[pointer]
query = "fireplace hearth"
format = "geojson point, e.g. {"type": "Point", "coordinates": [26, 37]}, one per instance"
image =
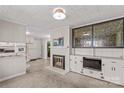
{"type": "Point", "coordinates": [59, 61]}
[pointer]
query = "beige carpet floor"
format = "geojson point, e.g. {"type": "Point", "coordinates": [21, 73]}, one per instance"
{"type": "Point", "coordinates": [40, 77]}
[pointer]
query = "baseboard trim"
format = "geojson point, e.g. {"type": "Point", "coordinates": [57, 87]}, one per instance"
{"type": "Point", "coordinates": [12, 76]}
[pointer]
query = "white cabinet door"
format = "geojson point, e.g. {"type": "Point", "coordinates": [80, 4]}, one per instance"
{"type": "Point", "coordinates": [72, 66]}
{"type": "Point", "coordinates": [76, 63]}
{"type": "Point", "coordinates": [119, 72]}
{"type": "Point", "coordinates": [72, 63]}
{"type": "Point", "coordinates": [117, 76]}
{"type": "Point", "coordinates": [107, 70]}
{"type": "Point", "coordinates": [79, 67]}
{"type": "Point", "coordinates": [10, 66]}
{"type": "Point", "coordinates": [122, 75]}
{"type": "Point", "coordinates": [115, 73]}
{"type": "Point", "coordinates": [112, 70]}
{"type": "Point", "coordinates": [79, 63]}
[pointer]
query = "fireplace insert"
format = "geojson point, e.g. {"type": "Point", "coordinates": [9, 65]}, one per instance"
{"type": "Point", "coordinates": [91, 63]}
{"type": "Point", "coordinates": [59, 61]}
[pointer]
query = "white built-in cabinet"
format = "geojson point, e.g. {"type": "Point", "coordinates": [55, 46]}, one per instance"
{"type": "Point", "coordinates": [112, 69]}
{"type": "Point", "coordinates": [12, 32]}
{"type": "Point", "coordinates": [76, 63]}
{"type": "Point", "coordinates": [122, 75]}
{"type": "Point", "coordinates": [11, 66]}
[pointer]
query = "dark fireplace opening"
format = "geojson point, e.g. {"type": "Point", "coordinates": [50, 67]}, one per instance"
{"type": "Point", "coordinates": [59, 61]}
{"type": "Point", "coordinates": [91, 63]}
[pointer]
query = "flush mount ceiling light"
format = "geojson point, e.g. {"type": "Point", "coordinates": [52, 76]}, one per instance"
{"type": "Point", "coordinates": [28, 33]}
{"type": "Point", "coordinates": [59, 14]}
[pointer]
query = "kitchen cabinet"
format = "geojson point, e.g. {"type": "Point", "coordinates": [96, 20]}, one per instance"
{"type": "Point", "coordinates": [76, 63]}
{"type": "Point", "coordinates": [11, 32]}
{"type": "Point", "coordinates": [12, 66]}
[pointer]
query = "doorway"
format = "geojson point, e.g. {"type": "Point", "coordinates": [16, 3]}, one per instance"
{"type": "Point", "coordinates": [48, 49]}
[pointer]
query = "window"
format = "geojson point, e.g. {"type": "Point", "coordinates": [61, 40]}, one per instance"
{"type": "Point", "coordinates": [82, 37]}
{"type": "Point", "coordinates": [108, 34]}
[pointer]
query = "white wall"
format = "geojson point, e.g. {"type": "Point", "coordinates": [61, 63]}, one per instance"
{"type": "Point", "coordinates": [61, 32]}
{"type": "Point", "coordinates": [44, 48]}
{"type": "Point", "coordinates": [109, 52]}
{"type": "Point", "coordinates": [61, 50]}
{"type": "Point", "coordinates": [84, 51]}
{"type": "Point", "coordinates": [34, 47]}
{"type": "Point", "coordinates": [99, 52]}
{"type": "Point", "coordinates": [11, 32]}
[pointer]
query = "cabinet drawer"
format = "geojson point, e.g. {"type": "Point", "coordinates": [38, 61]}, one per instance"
{"type": "Point", "coordinates": [117, 62]}
{"type": "Point", "coordinates": [93, 73]}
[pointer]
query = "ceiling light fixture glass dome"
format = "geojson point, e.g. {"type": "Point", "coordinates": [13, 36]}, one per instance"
{"type": "Point", "coordinates": [59, 14]}
{"type": "Point", "coordinates": [28, 33]}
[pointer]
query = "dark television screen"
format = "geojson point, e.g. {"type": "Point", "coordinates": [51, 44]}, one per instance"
{"type": "Point", "coordinates": [92, 63]}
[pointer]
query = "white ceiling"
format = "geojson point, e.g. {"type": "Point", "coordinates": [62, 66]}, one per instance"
{"type": "Point", "coordinates": [40, 21]}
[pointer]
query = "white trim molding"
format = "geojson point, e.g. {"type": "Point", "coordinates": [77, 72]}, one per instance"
{"type": "Point", "coordinates": [12, 76]}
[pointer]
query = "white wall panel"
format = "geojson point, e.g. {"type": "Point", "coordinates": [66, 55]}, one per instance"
{"type": "Point", "coordinates": [109, 52]}
{"type": "Point", "coordinates": [61, 32]}
{"type": "Point", "coordinates": [34, 48]}
{"type": "Point", "coordinates": [61, 50]}
{"type": "Point", "coordinates": [84, 51]}
{"type": "Point", "coordinates": [72, 51]}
